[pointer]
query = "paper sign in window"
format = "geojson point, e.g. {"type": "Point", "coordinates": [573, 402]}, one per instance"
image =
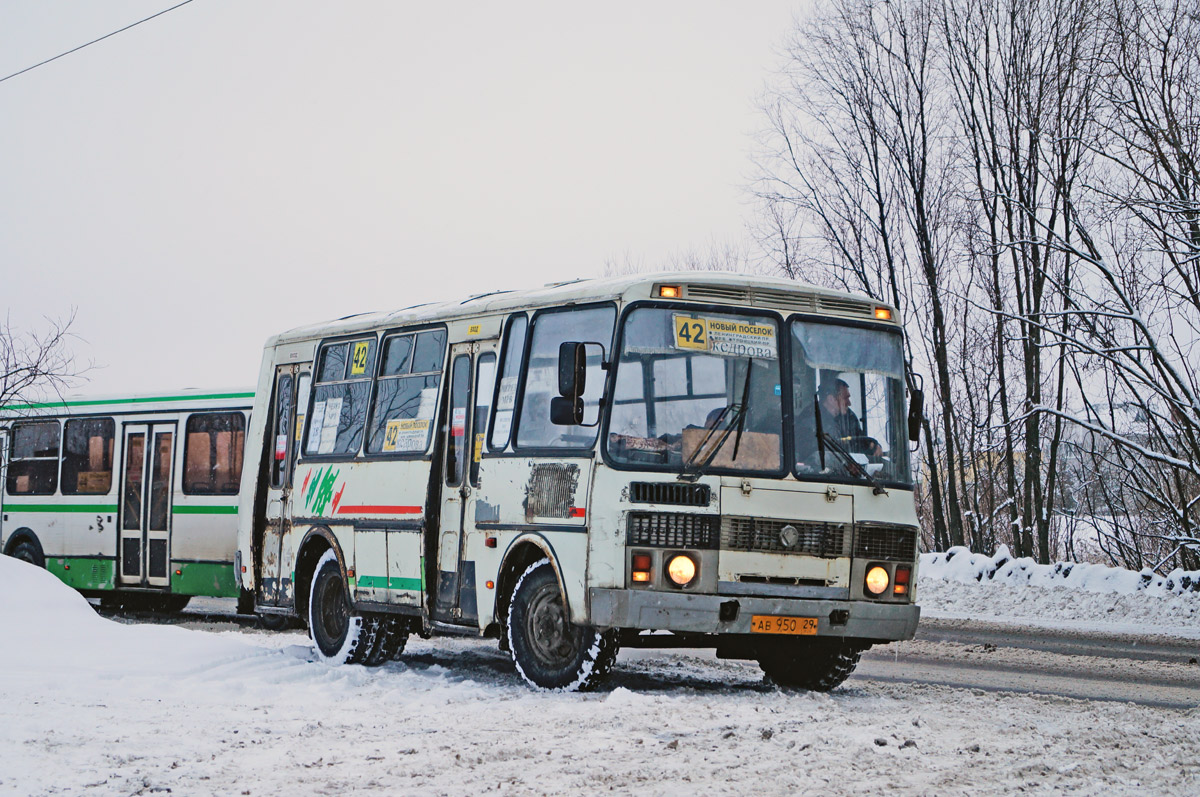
{"type": "Point", "coordinates": [405, 435]}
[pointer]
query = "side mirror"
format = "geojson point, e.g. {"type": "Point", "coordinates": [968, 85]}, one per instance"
{"type": "Point", "coordinates": [567, 409]}
{"type": "Point", "coordinates": [916, 404]}
{"type": "Point", "coordinates": [572, 369]}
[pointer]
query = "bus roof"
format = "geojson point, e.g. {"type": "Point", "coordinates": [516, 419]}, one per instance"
{"type": "Point", "coordinates": [712, 287]}
{"type": "Point", "coordinates": [185, 400]}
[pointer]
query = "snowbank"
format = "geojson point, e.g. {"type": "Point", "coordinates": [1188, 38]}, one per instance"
{"type": "Point", "coordinates": [960, 564]}
{"type": "Point", "coordinates": [47, 626]}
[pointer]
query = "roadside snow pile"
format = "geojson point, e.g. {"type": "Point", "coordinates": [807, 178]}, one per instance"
{"type": "Point", "coordinates": [960, 564]}
{"type": "Point", "coordinates": [965, 585]}
{"type": "Point", "coordinates": [47, 626]}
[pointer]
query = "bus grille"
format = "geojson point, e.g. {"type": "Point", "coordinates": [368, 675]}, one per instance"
{"type": "Point", "coordinates": [669, 493]}
{"type": "Point", "coordinates": [673, 530]}
{"type": "Point", "coordinates": [897, 543]}
{"type": "Point", "coordinates": [764, 535]}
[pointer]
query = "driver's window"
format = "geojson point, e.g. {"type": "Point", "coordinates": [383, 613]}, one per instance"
{"type": "Point", "coordinates": [549, 330]}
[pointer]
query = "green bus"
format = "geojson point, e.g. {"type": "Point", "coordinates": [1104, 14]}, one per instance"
{"type": "Point", "coordinates": [132, 499]}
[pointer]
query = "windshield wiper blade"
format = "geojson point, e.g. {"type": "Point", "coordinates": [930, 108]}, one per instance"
{"type": "Point", "coordinates": [741, 421]}
{"type": "Point", "coordinates": [705, 453]}
{"type": "Point", "coordinates": [852, 465]}
{"type": "Point", "coordinates": [736, 413]}
{"type": "Point", "coordinates": [820, 427]}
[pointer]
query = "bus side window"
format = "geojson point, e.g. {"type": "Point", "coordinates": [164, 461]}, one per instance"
{"type": "Point", "coordinates": [283, 431]}
{"type": "Point", "coordinates": [550, 328]}
{"type": "Point", "coordinates": [87, 463]}
{"type": "Point", "coordinates": [460, 383]}
{"type": "Point", "coordinates": [485, 382]}
{"type": "Point", "coordinates": [213, 459]}
{"type": "Point", "coordinates": [33, 459]}
{"type": "Point", "coordinates": [506, 394]}
{"type": "Point", "coordinates": [405, 405]}
{"type": "Point", "coordinates": [340, 397]}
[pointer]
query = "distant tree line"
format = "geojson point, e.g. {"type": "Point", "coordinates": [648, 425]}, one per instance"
{"type": "Point", "coordinates": [1022, 178]}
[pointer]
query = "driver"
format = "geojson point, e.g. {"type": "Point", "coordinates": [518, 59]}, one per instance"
{"type": "Point", "coordinates": [837, 420]}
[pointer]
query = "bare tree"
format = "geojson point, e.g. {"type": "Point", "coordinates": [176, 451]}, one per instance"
{"type": "Point", "coordinates": [36, 365]}
{"type": "Point", "coordinates": [855, 194]}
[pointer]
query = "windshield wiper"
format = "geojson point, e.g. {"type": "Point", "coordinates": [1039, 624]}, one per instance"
{"type": "Point", "coordinates": [852, 465]}
{"type": "Point", "coordinates": [705, 453]}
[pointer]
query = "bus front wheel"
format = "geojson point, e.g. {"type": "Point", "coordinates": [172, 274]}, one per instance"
{"type": "Point", "coordinates": [818, 665]}
{"type": "Point", "coordinates": [548, 650]}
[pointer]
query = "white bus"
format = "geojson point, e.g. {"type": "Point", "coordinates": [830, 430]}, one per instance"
{"type": "Point", "coordinates": [682, 460]}
{"type": "Point", "coordinates": [132, 499]}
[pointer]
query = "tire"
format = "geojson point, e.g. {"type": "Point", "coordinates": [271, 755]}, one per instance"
{"type": "Point", "coordinates": [170, 604]}
{"type": "Point", "coordinates": [29, 551]}
{"type": "Point", "coordinates": [336, 631]}
{"type": "Point", "coordinates": [390, 636]}
{"type": "Point", "coordinates": [272, 622]}
{"type": "Point", "coordinates": [817, 665]}
{"type": "Point", "coordinates": [548, 651]}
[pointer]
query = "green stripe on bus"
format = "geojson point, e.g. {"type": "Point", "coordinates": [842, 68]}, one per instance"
{"type": "Point", "coordinates": [379, 582]}
{"type": "Point", "coordinates": [137, 400]}
{"type": "Point", "coordinates": [204, 578]}
{"type": "Point", "coordinates": [88, 508]}
{"type": "Point", "coordinates": [204, 510]}
{"type": "Point", "coordinates": [82, 573]}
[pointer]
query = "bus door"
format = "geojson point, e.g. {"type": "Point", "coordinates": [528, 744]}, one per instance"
{"type": "Point", "coordinates": [472, 378]}
{"type": "Point", "coordinates": [287, 419]}
{"type": "Point", "coordinates": [145, 509]}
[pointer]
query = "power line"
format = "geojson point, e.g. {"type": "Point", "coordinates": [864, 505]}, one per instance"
{"type": "Point", "coordinates": [102, 38]}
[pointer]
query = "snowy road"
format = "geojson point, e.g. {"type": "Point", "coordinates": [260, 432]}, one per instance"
{"type": "Point", "coordinates": [1151, 670]}
{"type": "Point", "coordinates": [93, 707]}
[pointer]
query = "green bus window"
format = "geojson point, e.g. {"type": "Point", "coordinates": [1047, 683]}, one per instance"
{"type": "Point", "coordinates": [87, 462]}
{"type": "Point", "coordinates": [33, 461]}
{"type": "Point", "coordinates": [213, 455]}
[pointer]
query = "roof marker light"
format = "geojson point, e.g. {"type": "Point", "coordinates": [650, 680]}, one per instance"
{"type": "Point", "coordinates": [669, 291]}
{"type": "Point", "coordinates": [883, 313]}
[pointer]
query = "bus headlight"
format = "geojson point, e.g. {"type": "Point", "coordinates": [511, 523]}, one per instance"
{"type": "Point", "coordinates": [877, 580]}
{"type": "Point", "coordinates": [681, 569]}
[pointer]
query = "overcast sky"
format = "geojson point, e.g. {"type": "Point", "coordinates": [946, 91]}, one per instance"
{"type": "Point", "coordinates": [233, 169]}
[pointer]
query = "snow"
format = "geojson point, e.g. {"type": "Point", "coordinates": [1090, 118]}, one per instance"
{"type": "Point", "coordinates": [1082, 597]}
{"type": "Point", "coordinates": [92, 706]}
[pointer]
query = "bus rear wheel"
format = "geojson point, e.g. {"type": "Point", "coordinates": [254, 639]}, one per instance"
{"type": "Point", "coordinates": [548, 650]}
{"type": "Point", "coordinates": [818, 665]}
{"type": "Point", "coordinates": [336, 631]}
{"type": "Point", "coordinates": [29, 552]}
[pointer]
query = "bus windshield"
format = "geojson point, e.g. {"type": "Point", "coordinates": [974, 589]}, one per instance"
{"type": "Point", "coordinates": [848, 389]}
{"type": "Point", "coordinates": [697, 389]}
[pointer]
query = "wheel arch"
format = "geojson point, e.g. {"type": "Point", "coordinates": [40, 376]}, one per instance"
{"type": "Point", "coordinates": [316, 542]}
{"type": "Point", "coordinates": [521, 553]}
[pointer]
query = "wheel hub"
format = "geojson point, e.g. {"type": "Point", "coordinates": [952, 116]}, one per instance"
{"type": "Point", "coordinates": [551, 636]}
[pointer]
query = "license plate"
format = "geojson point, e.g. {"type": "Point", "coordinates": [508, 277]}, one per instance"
{"type": "Point", "coordinates": [772, 624]}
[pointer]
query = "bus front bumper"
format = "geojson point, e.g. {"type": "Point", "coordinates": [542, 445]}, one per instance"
{"type": "Point", "coordinates": [724, 614]}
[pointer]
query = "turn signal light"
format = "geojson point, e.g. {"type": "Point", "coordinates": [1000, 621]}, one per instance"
{"type": "Point", "coordinates": [903, 574]}
{"type": "Point", "coordinates": [641, 567]}
{"type": "Point", "coordinates": [669, 291]}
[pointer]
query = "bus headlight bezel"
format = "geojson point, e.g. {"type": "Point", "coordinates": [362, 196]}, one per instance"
{"type": "Point", "coordinates": [677, 567]}
{"type": "Point", "coordinates": [877, 580]}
